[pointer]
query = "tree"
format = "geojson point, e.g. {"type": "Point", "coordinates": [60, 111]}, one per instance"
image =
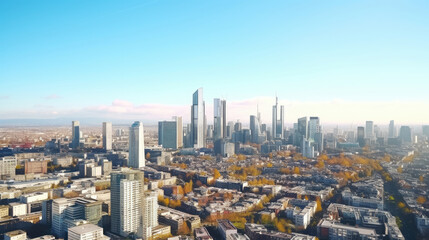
{"type": "Point", "coordinates": [188, 187]}
{"type": "Point", "coordinates": [296, 170]}
{"type": "Point", "coordinates": [319, 205]}
{"type": "Point", "coordinates": [399, 169]}
{"type": "Point", "coordinates": [216, 174]}
{"type": "Point", "coordinates": [421, 179]}
{"type": "Point", "coordinates": [421, 200]}
{"type": "Point", "coordinates": [147, 156]}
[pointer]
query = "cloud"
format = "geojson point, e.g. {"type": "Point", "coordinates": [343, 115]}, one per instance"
{"type": "Point", "coordinates": [335, 111]}
{"type": "Point", "coordinates": [52, 96]}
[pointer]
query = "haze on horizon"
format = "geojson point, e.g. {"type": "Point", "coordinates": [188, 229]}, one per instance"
{"type": "Point", "coordinates": [345, 62]}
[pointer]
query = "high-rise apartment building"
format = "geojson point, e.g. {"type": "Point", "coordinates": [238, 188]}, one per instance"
{"type": "Point", "coordinates": [150, 213]}
{"type": "Point", "coordinates": [126, 190]}
{"type": "Point", "coordinates": [219, 112]}
{"type": "Point", "coordinates": [75, 134]}
{"type": "Point", "coordinates": [198, 120]}
{"type": "Point", "coordinates": [136, 157]}
{"type": "Point", "coordinates": [107, 135]}
{"type": "Point", "coordinates": [425, 129]}
{"type": "Point", "coordinates": [179, 131]}
{"type": "Point", "coordinates": [278, 121]}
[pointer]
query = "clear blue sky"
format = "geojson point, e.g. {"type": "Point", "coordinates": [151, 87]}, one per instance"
{"type": "Point", "coordinates": [76, 54]}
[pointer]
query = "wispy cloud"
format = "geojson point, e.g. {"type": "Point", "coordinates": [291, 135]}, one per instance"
{"type": "Point", "coordinates": [335, 111]}
{"type": "Point", "coordinates": [52, 96]}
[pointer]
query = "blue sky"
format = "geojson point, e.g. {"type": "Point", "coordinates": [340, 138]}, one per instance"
{"type": "Point", "coordinates": [76, 58]}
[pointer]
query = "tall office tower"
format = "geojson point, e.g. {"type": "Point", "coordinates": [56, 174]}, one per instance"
{"type": "Point", "coordinates": [219, 112]}
{"type": "Point", "coordinates": [255, 130]}
{"type": "Point", "coordinates": [302, 130]}
{"type": "Point", "coordinates": [7, 167]}
{"type": "Point", "coordinates": [150, 213]}
{"type": "Point", "coordinates": [425, 129]}
{"type": "Point", "coordinates": [369, 130]}
{"type": "Point", "coordinates": [313, 127]}
{"type": "Point", "coordinates": [59, 207]}
{"type": "Point", "coordinates": [361, 136]}
{"type": "Point", "coordinates": [107, 135]}
{"type": "Point", "coordinates": [126, 189]}
{"type": "Point", "coordinates": [179, 131]}
{"type": "Point", "coordinates": [47, 212]}
{"type": "Point", "coordinates": [405, 134]}
{"type": "Point", "coordinates": [167, 134]}
{"type": "Point", "coordinates": [75, 134]}
{"type": "Point", "coordinates": [278, 123]}
{"type": "Point", "coordinates": [392, 129]}
{"type": "Point", "coordinates": [136, 146]}
{"type": "Point", "coordinates": [198, 122]}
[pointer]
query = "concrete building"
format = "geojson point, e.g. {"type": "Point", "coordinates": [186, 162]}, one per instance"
{"type": "Point", "coordinates": [136, 157]}
{"type": "Point", "coordinates": [405, 134]}
{"type": "Point", "coordinates": [198, 120]}
{"type": "Point", "coordinates": [327, 229]}
{"type": "Point", "coordinates": [126, 189]}
{"type": "Point", "coordinates": [18, 209]}
{"type": "Point", "coordinates": [16, 235]}
{"type": "Point", "coordinates": [226, 229]}
{"type": "Point", "coordinates": [361, 136]}
{"type": "Point", "coordinates": [392, 129]}
{"type": "Point", "coordinates": [369, 130]}
{"type": "Point", "coordinates": [7, 167]}
{"type": "Point", "coordinates": [150, 213]}
{"type": "Point", "coordinates": [86, 232]}
{"type": "Point", "coordinates": [107, 136]}
{"type": "Point", "coordinates": [37, 167]}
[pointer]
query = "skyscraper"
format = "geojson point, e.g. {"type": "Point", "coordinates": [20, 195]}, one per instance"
{"type": "Point", "coordinates": [392, 129]}
{"type": "Point", "coordinates": [369, 130]}
{"type": "Point", "coordinates": [278, 123]}
{"type": "Point", "coordinates": [361, 136]}
{"type": "Point", "coordinates": [219, 112]}
{"type": "Point", "coordinates": [302, 130]}
{"type": "Point", "coordinates": [255, 129]}
{"type": "Point", "coordinates": [59, 207]}
{"type": "Point", "coordinates": [107, 135]}
{"type": "Point", "coordinates": [313, 127]}
{"type": "Point", "coordinates": [170, 133]}
{"type": "Point", "coordinates": [198, 122]}
{"type": "Point", "coordinates": [405, 134]}
{"type": "Point", "coordinates": [136, 146]}
{"type": "Point", "coordinates": [126, 189]}
{"type": "Point", "coordinates": [75, 134]}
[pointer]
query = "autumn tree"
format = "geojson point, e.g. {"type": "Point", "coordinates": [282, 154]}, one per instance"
{"type": "Point", "coordinates": [147, 156]}
{"type": "Point", "coordinates": [421, 179]}
{"type": "Point", "coordinates": [296, 170]}
{"type": "Point", "coordinates": [216, 174]}
{"type": "Point", "coordinates": [188, 187]}
{"type": "Point", "coordinates": [319, 205]}
{"type": "Point", "coordinates": [421, 200]}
